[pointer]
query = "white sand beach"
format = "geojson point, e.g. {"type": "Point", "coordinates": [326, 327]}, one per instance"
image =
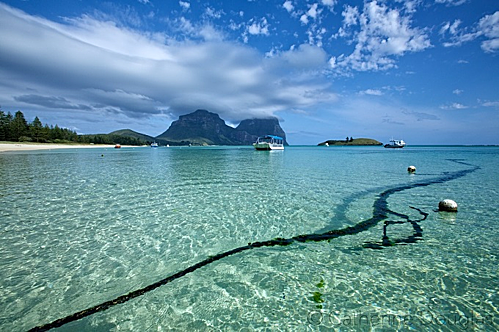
{"type": "Point", "coordinates": [6, 147]}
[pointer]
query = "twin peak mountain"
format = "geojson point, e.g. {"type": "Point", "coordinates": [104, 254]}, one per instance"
{"type": "Point", "coordinates": [205, 128]}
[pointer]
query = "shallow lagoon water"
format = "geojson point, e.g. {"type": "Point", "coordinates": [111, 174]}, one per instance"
{"type": "Point", "coordinates": [79, 227]}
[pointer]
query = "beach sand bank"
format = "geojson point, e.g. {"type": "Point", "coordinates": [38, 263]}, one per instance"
{"type": "Point", "coordinates": [6, 147]}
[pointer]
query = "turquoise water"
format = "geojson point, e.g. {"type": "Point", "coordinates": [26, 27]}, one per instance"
{"type": "Point", "coordinates": [80, 227]}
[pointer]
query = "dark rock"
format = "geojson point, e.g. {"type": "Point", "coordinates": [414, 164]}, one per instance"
{"type": "Point", "coordinates": [261, 127]}
{"type": "Point", "coordinates": [205, 128]}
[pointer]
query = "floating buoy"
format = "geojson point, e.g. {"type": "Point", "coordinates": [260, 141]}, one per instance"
{"type": "Point", "coordinates": [447, 205]}
{"type": "Point", "coordinates": [411, 169]}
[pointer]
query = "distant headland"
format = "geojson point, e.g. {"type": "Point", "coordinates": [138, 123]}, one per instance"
{"type": "Point", "coordinates": [351, 141]}
{"type": "Point", "coordinates": [200, 128]}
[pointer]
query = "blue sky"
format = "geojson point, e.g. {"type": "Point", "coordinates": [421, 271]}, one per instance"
{"type": "Point", "coordinates": [426, 71]}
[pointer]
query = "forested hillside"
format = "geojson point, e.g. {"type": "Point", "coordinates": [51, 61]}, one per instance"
{"type": "Point", "coordinates": [15, 128]}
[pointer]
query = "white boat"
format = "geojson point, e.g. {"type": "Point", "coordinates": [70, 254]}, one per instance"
{"type": "Point", "coordinates": [395, 144]}
{"type": "Point", "coordinates": [269, 142]}
{"type": "Point", "coordinates": [154, 145]}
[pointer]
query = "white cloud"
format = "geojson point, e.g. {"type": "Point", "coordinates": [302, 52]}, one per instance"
{"type": "Point", "coordinates": [491, 104]}
{"type": "Point", "coordinates": [451, 2]}
{"type": "Point", "coordinates": [332, 62]}
{"type": "Point", "coordinates": [184, 4]}
{"type": "Point", "coordinates": [288, 5]}
{"type": "Point", "coordinates": [411, 5]}
{"type": "Point", "coordinates": [328, 3]}
{"type": "Point", "coordinates": [487, 28]}
{"type": "Point", "coordinates": [212, 13]}
{"type": "Point", "coordinates": [384, 33]}
{"type": "Point", "coordinates": [95, 67]}
{"type": "Point", "coordinates": [451, 28]}
{"type": "Point", "coordinates": [185, 29]}
{"type": "Point", "coordinates": [454, 106]}
{"type": "Point", "coordinates": [210, 33]}
{"type": "Point", "coordinates": [313, 12]}
{"type": "Point", "coordinates": [316, 35]}
{"type": "Point", "coordinates": [458, 35]}
{"type": "Point", "coordinates": [305, 56]}
{"type": "Point", "coordinates": [260, 27]}
{"type": "Point", "coordinates": [457, 92]}
{"type": "Point", "coordinates": [350, 16]}
{"type": "Point", "coordinates": [372, 92]}
{"type": "Point", "coordinates": [304, 19]}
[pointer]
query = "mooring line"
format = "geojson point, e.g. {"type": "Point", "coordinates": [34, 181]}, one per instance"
{"type": "Point", "coordinates": [380, 212]}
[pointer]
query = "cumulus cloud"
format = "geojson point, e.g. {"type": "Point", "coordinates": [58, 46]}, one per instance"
{"type": "Point", "coordinates": [328, 3]}
{"type": "Point", "coordinates": [489, 27]}
{"type": "Point", "coordinates": [213, 13]}
{"type": "Point", "coordinates": [88, 65]}
{"type": "Point", "coordinates": [313, 12]}
{"type": "Point", "coordinates": [258, 27]}
{"type": "Point", "coordinates": [379, 33]}
{"type": "Point", "coordinates": [350, 15]}
{"type": "Point", "coordinates": [184, 4]}
{"type": "Point", "coordinates": [288, 5]}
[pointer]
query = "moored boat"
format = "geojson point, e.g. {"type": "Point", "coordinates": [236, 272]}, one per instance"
{"type": "Point", "coordinates": [395, 144]}
{"type": "Point", "coordinates": [269, 142]}
{"type": "Point", "coordinates": [154, 145]}
{"type": "Point", "coordinates": [117, 146]}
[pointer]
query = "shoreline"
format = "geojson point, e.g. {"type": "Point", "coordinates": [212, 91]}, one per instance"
{"type": "Point", "coordinates": [17, 147]}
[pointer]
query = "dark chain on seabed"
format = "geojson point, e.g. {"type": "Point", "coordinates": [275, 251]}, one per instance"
{"type": "Point", "coordinates": [380, 213]}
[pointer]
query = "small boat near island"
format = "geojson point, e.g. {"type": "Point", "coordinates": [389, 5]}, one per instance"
{"type": "Point", "coordinates": [154, 145]}
{"type": "Point", "coordinates": [269, 142]}
{"type": "Point", "coordinates": [395, 144]}
{"type": "Point", "coordinates": [117, 146]}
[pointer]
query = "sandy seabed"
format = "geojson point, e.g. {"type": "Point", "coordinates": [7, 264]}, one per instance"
{"type": "Point", "coordinates": [5, 147]}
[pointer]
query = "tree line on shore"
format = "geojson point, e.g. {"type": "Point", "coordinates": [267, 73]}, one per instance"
{"type": "Point", "coordinates": [15, 128]}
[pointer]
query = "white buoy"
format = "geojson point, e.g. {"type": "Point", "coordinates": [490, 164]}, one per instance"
{"type": "Point", "coordinates": [411, 169]}
{"type": "Point", "coordinates": [447, 205]}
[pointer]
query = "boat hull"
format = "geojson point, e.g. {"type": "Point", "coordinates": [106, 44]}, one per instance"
{"type": "Point", "coordinates": [267, 146]}
{"type": "Point", "coordinates": [395, 144]}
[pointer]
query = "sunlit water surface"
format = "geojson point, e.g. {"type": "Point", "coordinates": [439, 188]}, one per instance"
{"type": "Point", "coordinates": [79, 227]}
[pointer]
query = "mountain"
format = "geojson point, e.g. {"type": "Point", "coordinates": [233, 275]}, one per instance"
{"type": "Point", "coordinates": [124, 137]}
{"type": "Point", "coordinates": [206, 128]}
{"type": "Point", "coordinates": [200, 128]}
{"type": "Point", "coordinates": [133, 134]}
{"type": "Point", "coordinates": [262, 127]}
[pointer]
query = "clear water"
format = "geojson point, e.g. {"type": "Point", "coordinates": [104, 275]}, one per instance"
{"type": "Point", "coordinates": [81, 227]}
